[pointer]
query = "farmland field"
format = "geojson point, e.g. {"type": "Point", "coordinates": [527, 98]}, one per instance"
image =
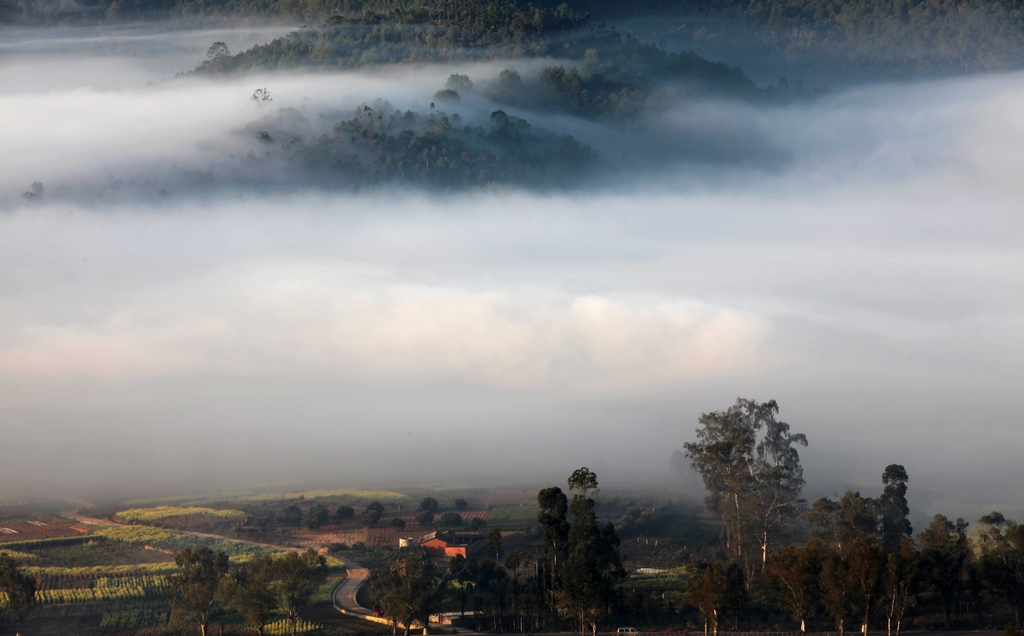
{"type": "Point", "coordinates": [159, 513]}
{"type": "Point", "coordinates": [17, 529]}
{"type": "Point", "coordinates": [94, 552]}
{"type": "Point", "coordinates": [513, 517]}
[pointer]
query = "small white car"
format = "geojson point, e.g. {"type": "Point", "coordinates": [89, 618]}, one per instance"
{"type": "Point", "coordinates": [626, 630]}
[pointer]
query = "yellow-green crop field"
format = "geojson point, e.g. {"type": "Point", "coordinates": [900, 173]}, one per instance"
{"type": "Point", "coordinates": [282, 627]}
{"type": "Point", "coordinates": [104, 570]}
{"type": "Point", "coordinates": [143, 536]}
{"type": "Point", "coordinates": [109, 589]}
{"type": "Point", "coordinates": [383, 495]}
{"type": "Point", "coordinates": [19, 556]}
{"type": "Point", "coordinates": [154, 515]}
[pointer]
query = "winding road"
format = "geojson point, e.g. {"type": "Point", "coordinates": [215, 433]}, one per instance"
{"type": "Point", "coordinates": [345, 594]}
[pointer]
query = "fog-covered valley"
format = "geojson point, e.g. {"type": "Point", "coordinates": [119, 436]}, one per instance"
{"type": "Point", "coordinates": [186, 303]}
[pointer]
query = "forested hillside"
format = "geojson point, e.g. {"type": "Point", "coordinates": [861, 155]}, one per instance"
{"type": "Point", "coordinates": [887, 36]}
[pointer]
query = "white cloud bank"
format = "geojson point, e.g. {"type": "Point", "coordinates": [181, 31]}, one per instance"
{"type": "Point", "coordinates": [295, 318]}
{"type": "Point", "coordinates": [873, 283]}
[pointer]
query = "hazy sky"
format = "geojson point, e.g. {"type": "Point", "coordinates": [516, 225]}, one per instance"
{"type": "Point", "coordinates": [871, 281]}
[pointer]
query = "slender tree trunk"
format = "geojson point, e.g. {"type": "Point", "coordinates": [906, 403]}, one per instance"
{"type": "Point", "coordinates": [803, 625]}
{"type": "Point", "coordinates": [764, 551]}
{"type": "Point", "coordinates": [715, 626]}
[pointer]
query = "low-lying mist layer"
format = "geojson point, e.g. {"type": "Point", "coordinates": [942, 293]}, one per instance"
{"type": "Point", "coordinates": [183, 304]}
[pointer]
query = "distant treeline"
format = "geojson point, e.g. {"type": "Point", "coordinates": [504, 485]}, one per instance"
{"type": "Point", "coordinates": [891, 36]}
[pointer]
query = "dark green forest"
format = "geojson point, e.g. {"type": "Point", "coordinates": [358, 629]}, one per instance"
{"type": "Point", "coordinates": [890, 37]}
{"type": "Point", "coordinates": [379, 144]}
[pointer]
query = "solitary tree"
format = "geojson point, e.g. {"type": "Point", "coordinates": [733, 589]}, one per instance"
{"type": "Point", "coordinates": [370, 517]}
{"type": "Point", "coordinates": [753, 483]}
{"type": "Point", "coordinates": [901, 579]}
{"type": "Point", "coordinates": [705, 590]}
{"type": "Point", "coordinates": [798, 571]}
{"type": "Point", "coordinates": [450, 519]}
{"type": "Point", "coordinates": [494, 542]}
{"type": "Point", "coordinates": [197, 585]}
{"type": "Point", "coordinates": [554, 506]}
{"type": "Point", "coordinates": [217, 50]}
{"type": "Point", "coordinates": [291, 516]}
{"type": "Point", "coordinates": [893, 508]}
{"type": "Point", "coordinates": [838, 588]}
{"type": "Point", "coordinates": [592, 563]}
{"type": "Point", "coordinates": [261, 97]}
{"type": "Point", "coordinates": [316, 516]}
{"type": "Point", "coordinates": [944, 553]}
{"type": "Point", "coordinates": [1002, 560]}
{"type": "Point", "coordinates": [20, 590]}
{"type": "Point", "coordinates": [429, 503]}
{"type": "Point", "coordinates": [867, 563]}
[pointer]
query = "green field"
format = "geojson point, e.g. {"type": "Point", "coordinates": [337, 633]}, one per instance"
{"type": "Point", "coordinates": [159, 513]}
{"type": "Point", "coordinates": [513, 517]}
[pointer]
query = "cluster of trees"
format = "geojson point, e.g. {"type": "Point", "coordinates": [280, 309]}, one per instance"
{"type": "Point", "coordinates": [911, 37]}
{"type": "Point", "coordinates": [853, 559]}
{"type": "Point", "coordinates": [441, 32]}
{"type": "Point", "coordinates": [612, 74]}
{"type": "Point", "coordinates": [750, 464]}
{"type": "Point", "coordinates": [372, 515]}
{"type": "Point", "coordinates": [381, 145]}
{"type": "Point", "coordinates": [209, 590]}
{"type": "Point", "coordinates": [571, 580]}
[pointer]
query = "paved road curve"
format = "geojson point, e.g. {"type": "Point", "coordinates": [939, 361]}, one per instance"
{"type": "Point", "coordinates": [345, 593]}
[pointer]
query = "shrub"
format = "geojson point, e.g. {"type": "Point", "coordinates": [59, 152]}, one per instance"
{"type": "Point", "coordinates": [425, 518]}
{"type": "Point", "coordinates": [290, 516]}
{"type": "Point", "coordinates": [370, 517]}
{"type": "Point", "coordinates": [450, 519]}
{"type": "Point", "coordinates": [447, 95]}
{"type": "Point", "coordinates": [316, 516]}
{"type": "Point", "coordinates": [458, 82]}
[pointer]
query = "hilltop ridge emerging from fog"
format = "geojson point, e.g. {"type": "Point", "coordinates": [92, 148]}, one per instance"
{"type": "Point", "coordinates": [909, 37]}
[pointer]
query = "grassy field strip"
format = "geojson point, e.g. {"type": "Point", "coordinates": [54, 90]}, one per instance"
{"type": "Point", "coordinates": [109, 589]}
{"type": "Point", "coordinates": [355, 493]}
{"type": "Point", "coordinates": [153, 515]}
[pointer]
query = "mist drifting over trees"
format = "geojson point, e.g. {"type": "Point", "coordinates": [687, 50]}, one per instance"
{"type": "Point", "coordinates": [508, 223]}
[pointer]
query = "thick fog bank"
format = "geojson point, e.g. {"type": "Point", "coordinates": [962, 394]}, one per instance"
{"type": "Point", "coordinates": [870, 279]}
